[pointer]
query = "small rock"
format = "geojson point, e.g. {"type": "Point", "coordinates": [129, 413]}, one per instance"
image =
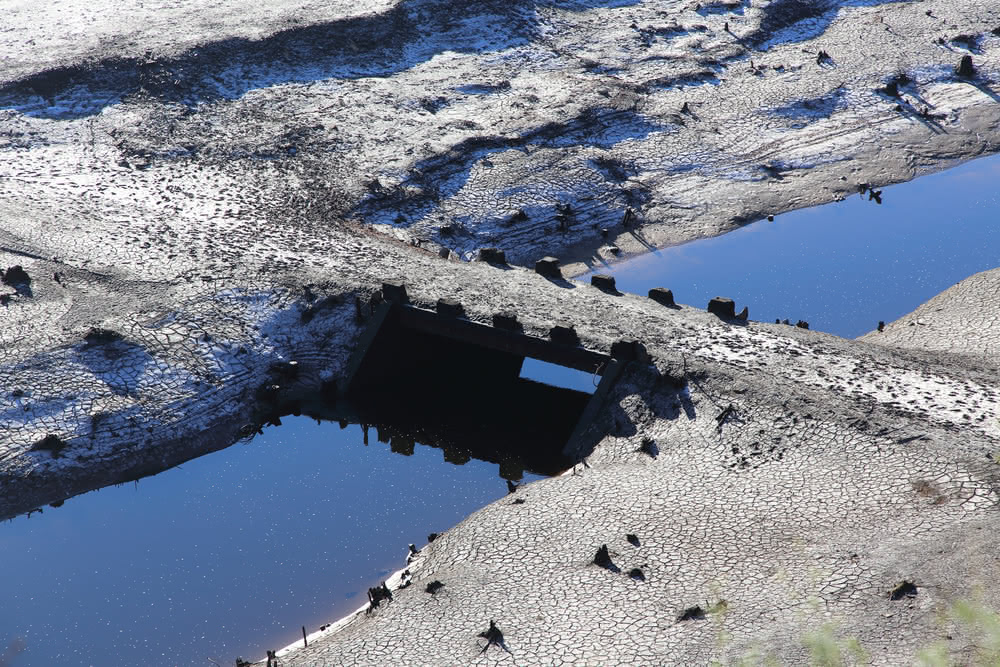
{"type": "Point", "coordinates": [603, 558]}
{"type": "Point", "coordinates": [965, 68]}
{"type": "Point", "coordinates": [649, 447]}
{"type": "Point", "coordinates": [906, 589]}
{"type": "Point", "coordinates": [695, 613]}
{"type": "Point", "coordinates": [15, 276]}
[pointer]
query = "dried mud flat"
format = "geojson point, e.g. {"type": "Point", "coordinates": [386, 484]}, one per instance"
{"type": "Point", "coordinates": [198, 198]}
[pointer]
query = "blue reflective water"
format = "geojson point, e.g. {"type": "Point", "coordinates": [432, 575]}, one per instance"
{"type": "Point", "coordinates": [844, 266]}
{"type": "Point", "coordinates": [559, 376]}
{"type": "Point", "coordinates": [229, 554]}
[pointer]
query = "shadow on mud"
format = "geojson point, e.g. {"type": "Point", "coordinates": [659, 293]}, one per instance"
{"type": "Point", "coordinates": [380, 44]}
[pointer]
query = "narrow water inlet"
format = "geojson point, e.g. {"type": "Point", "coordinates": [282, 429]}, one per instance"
{"type": "Point", "coordinates": [844, 266]}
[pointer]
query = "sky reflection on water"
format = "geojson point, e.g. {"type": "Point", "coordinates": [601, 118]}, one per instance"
{"type": "Point", "coordinates": [844, 266]}
{"type": "Point", "coordinates": [229, 554]}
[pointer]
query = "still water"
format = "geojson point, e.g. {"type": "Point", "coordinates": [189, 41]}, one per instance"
{"type": "Point", "coordinates": [229, 554]}
{"type": "Point", "coordinates": [844, 266]}
{"type": "Point", "coordinates": [232, 553]}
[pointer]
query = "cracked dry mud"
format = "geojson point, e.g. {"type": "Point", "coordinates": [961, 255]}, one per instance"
{"type": "Point", "coordinates": [173, 179]}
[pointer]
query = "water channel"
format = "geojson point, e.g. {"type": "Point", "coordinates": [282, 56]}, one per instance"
{"type": "Point", "coordinates": [232, 553]}
{"type": "Point", "coordinates": [844, 266]}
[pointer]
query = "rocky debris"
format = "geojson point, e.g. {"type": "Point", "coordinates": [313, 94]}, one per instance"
{"type": "Point", "coordinates": [905, 589]}
{"type": "Point", "coordinates": [493, 637]}
{"type": "Point", "coordinates": [377, 595]}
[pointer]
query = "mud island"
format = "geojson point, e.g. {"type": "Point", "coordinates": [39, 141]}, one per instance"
{"type": "Point", "coordinates": [193, 199]}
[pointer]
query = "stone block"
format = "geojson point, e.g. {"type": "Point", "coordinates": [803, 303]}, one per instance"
{"type": "Point", "coordinates": [548, 267]}
{"type": "Point", "coordinates": [604, 282]}
{"type": "Point", "coordinates": [662, 295]}
{"type": "Point", "coordinates": [449, 308]}
{"type": "Point", "coordinates": [15, 276]}
{"type": "Point", "coordinates": [395, 292]}
{"type": "Point", "coordinates": [492, 256]}
{"type": "Point", "coordinates": [722, 307]}
{"type": "Point", "coordinates": [564, 335]}
{"type": "Point", "coordinates": [965, 68]}
{"type": "Point", "coordinates": [506, 321]}
{"type": "Point", "coordinates": [629, 350]}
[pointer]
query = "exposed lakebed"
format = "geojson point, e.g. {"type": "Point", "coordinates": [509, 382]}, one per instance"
{"type": "Point", "coordinates": [232, 553]}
